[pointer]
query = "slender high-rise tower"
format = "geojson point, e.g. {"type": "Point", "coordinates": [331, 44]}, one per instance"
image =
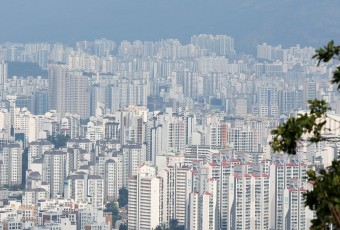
{"type": "Point", "coordinates": [3, 78]}
{"type": "Point", "coordinates": [77, 94]}
{"type": "Point", "coordinates": [145, 199]}
{"type": "Point", "coordinates": [53, 171]}
{"type": "Point", "coordinates": [3, 72]}
{"type": "Point", "coordinates": [57, 73]}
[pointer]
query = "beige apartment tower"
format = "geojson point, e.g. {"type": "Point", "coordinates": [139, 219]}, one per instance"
{"type": "Point", "coordinates": [68, 90]}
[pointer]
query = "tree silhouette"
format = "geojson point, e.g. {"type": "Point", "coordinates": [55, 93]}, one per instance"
{"type": "Point", "coordinates": [113, 209]}
{"type": "Point", "coordinates": [59, 140]}
{"type": "Point", "coordinates": [123, 227]}
{"type": "Point", "coordinates": [123, 197]}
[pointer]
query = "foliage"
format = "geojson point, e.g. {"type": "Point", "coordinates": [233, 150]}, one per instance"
{"type": "Point", "coordinates": [324, 198]}
{"type": "Point", "coordinates": [123, 227]}
{"type": "Point", "coordinates": [288, 135]}
{"type": "Point", "coordinates": [123, 197]}
{"type": "Point", "coordinates": [59, 140]}
{"type": "Point", "coordinates": [112, 207]}
{"type": "Point", "coordinates": [159, 227]}
{"type": "Point", "coordinates": [328, 53]}
{"type": "Point", "coordinates": [25, 69]}
{"type": "Point", "coordinates": [115, 218]}
{"type": "Point", "coordinates": [173, 225]}
{"type": "Point", "coordinates": [16, 197]}
{"type": "Point", "coordinates": [13, 187]}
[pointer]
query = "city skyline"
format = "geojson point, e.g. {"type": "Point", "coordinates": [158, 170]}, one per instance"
{"type": "Point", "coordinates": [291, 22]}
{"type": "Point", "coordinates": [183, 128]}
{"type": "Point", "coordinates": [162, 115]}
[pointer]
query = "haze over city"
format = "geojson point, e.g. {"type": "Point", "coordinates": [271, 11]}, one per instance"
{"type": "Point", "coordinates": [168, 115]}
{"type": "Point", "coordinates": [249, 22]}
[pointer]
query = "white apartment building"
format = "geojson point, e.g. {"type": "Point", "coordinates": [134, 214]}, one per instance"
{"type": "Point", "coordinates": [168, 133]}
{"type": "Point", "coordinates": [133, 157]}
{"type": "Point", "coordinates": [33, 126]}
{"type": "Point", "coordinates": [54, 171]}
{"type": "Point", "coordinates": [5, 121]}
{"type": "Point", "coordinates": [177, 187]}
{"type": "Point", "coordinates": [32, 196]}
{"type": "Point", "coordinates": [76, 158]}
{"type": "Point", "coordinates": [85, 188]}
{"type": "Point", "coordinates": [111, 180]}
{"type": "Point", "coordinates": [76, 188]}
{"type": "Point", "coordinates": [79, 142]}
{"type": "Point", "coordinates": [95, 131]}
{"type": "Point", "coordinates": [242, 193]}
{"type": "Point", "coordinates": [95, 190]}
{"type": "Point", "coordinates": [3, 73]}
{"type": "Point", "coordinates": [70, 124]}
{"type": "Point", "coordinates": [200, 152]}
{"type": "Point", "coordinates": [250, 202]}
{"type": "Point", "coordinates": [243, 139]}
{"type": "Point", "coordinates": [37, 149]}
{"type": "Point", "coordinates": [57, 74]}
{"type": "Point", "coordinates": [283, 176]}
{"type": "Point", "coordinates": [260, 211]}
{"type": "Point", "coordinates": [203, 208]}
{"type": "Point", "coordinates": [295, 212]}
{"type": "Point", "coordinates": [11, 164]}
{"type": "Point", "coordinates": [145, 199]}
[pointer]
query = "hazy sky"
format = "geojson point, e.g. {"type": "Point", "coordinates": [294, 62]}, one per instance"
{"type": "Point", "coordinates": [308, 22]}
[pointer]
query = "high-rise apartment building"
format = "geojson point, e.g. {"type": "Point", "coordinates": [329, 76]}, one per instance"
{"type": "Point", "coordinates": [310, 90]}
{"type": "Point", "coordinates": [95, 190]}
{"type": "Point", "coordinates": [243, 139]}
{"type": "Point", "coordinates": [265, 51]}
{"type": "Point", "coordinates": [68, 90]}
{"type": "Point", "coordinates": [250, 201]}
{"type": "Point", "coordinates": [11, 165]}
{"type": "Point", "coordinates": [58, 53]}
{"type": "Point", "coordinates": [220, 44]}
{"type": "Point", "coordinates": [103, 47]}
{"type": "Point", "coordinates": [77, 101]}
{"type": "Point", "coordinates": [178, 186]}
{"type": "Point", "coordinates": [203, 207]}
{"type": "Point", "coordinates": [295, 210]}
{"type": "Point", "coordinates": [215, 132]}
{"type": "Point", "coordinates": [145, 199]}
{"type": "Point", "coordinates": [37, 149]}
{"type": "Point", "coordinates": [167, 132]}
{"type": "Point", "coordinates": [288, 101]}
{"type": "Point", "coordinates": [54, 171]}
{"type": "Point", "coordinates": [5, 122]}
{"type": "Point", "coordinates": [40, 101]}
{"type": "Point", "coordinates": [76, 188]}
{"type": "Point", "coordinates": [57, 74]}
{"type": "Point", "coordinates": [3, 78]}
{"type": "Point", "coordinates": [268, 100]}
{"type": "Point", "coordinates": [220, 169]}
{"type": "Point", "coordinates": [111, 180]}
{"type": "Point", "coordinates": [70, 124]}
{"type": "Point", "coordinates": [133, 157]}
{"type": "Point", "coordinates": [286, 182]}
{"type": "Point", "coordinates": [3, 73]}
